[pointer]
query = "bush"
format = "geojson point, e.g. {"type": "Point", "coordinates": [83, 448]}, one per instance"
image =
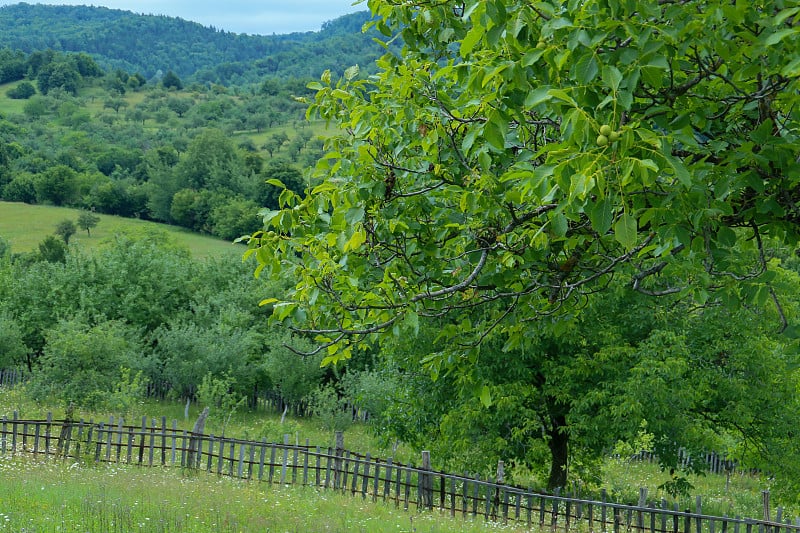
{"type": "Point", "coordinates": [331, 410]}
{"type": "Point", "coordinates": [80, 363]}
{"type": "Point", "coordinates": [218, 393]}
{"type": "Point", "coordinates": [292, 375]}
{"type": "Point", "coordinates": [23, 91]}
{"type": "Point", "coordinates": [130, 390]}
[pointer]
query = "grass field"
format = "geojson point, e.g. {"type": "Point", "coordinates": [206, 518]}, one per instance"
{"type": "Point", "coordinates": [739, 495]}
{"type": "Point", "coordinates": [25, 226]}
{"type": "Point", "coordinates": [10, 105]}
{"type": "Point", "coordinates": [69, 497]}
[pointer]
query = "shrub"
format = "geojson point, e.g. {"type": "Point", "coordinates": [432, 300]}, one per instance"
{"type": "Point", "coordinates": [23, 91]}
{"type": "Point", "coordinates": [331, 410]}
{"type": "Point", "coordinates": [80, 363]}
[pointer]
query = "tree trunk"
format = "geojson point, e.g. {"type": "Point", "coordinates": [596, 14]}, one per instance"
{"type": "Point", "coordinates": [558, 442]}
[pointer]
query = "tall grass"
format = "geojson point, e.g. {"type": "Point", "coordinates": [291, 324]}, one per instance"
{"type": "Point", "coordinates": [251, 425]}
{"type": "Point", "coordinates": [737, 495]}
{"type": "Point", "coordinates": [66, 496]}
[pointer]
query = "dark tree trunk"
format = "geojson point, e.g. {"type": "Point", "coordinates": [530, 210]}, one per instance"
{"type": "Point", "coordinates": [558, 441]}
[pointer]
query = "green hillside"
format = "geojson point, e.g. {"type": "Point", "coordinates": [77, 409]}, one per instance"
{"type": "Point", "coordinates": [151, 44]}
{"type": "Point", "coordinates": [25, 226]}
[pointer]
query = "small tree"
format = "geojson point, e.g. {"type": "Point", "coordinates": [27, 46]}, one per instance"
{"type": "Point", "coordinates": [66, 229]}
{"type": "Point", "coordinates": [52, 250]}
{"type": "Point", "coordinates": [115, 103]}
{"type": "Point", "coordinates": [87, 220]}
{"type": "Point", "coordinates": [172, 81]}
{"type": "Point", "coordinates": [23, 91]}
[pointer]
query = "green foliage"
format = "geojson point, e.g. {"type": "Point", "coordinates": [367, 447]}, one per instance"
{"type": "Point", "coordinates": [294, 376]}
{"type": "Point", "coordinates": [53, 250]}
{"type": "Point", "coordinates": [235, 218]}
{"type": "Point", "coordinates": [57, 185]}
{"type": "Point", "coordinates": [218, 394]}
{"type": "Point", "coordinates": [372, 391]}
{"type": "Point", "coordinates": [22, 91]}
{"type": "Point", "coordinates": [87, 220]}
{"type": "Point", "coordinates": [13, 352]}
{"type": "Point", "coordinates": [512, 165]}
{"type": "Point", "coordinates": [66, 229]}
{"type": "Point", "coordinates": [330, 409]}
{"type": "Point", "coordinates": [187, 352]}
{"type": "Point", "coordinates": [129, 391]}
{"type": "Point", "coordinates": [81, 362]}
{"type": "Point", "coordinates": [492, 142]}
{"type": "Point", "coordinates": [171, 81]}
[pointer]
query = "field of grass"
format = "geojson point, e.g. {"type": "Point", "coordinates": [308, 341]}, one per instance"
{"type": "Point", "coordinates": [52, 495]}
{"type": "Point", "coordinates": [67, 497]}
{"type": "Point", "coordinates": [739, 495]}
{"type": "Point", "coordinates": [10, 105]}
{"type": "Point", "coordinates": [25, 226]}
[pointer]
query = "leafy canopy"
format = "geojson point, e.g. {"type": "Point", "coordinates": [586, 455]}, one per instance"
{"type": "Point", "coordinates": [519, 154]}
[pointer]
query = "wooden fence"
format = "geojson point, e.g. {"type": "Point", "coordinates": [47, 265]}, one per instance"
{"type": "Point", "coordinates": [153, 443]}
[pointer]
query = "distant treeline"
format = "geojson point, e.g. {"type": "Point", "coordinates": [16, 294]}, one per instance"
{"type": "Point", "coordinates": [149, 44]}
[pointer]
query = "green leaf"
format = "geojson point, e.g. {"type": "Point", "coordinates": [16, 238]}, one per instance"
{"type": "Point", "coordinates": [486, 396]}
{"type": "Point", "coordinates": [726, 236]}
{"type": "Point", "coordinates": [625, 230]}
{"type": "Point", "coordinates": [601, 215]}
{"type": "Point", "coordinates": [612, 77]}
{"type": "Point", "coordinates": [681, 172]}
{"type": "Point", "coordinates": [351, 72]}
{"type": "Point", "coordinates": [471, 39]}
{"type": "Point", "coordinates": [559, 224]}
{"type": "Point", "coordinates": [538, 96]}
{"type": "Point", "coordinates": [359, 237]}
{"type": "Point", "coordinates": [586, 69]}
{"type": "Point", "coordinates": [774, 38]}
{"type": "Point", "coordinates": [792, 70]}
{"type": "Point", "coordinates": [494, 132]}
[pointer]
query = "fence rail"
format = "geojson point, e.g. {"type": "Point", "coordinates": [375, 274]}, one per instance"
{"type": "Point", "coordinates": [154, 443]}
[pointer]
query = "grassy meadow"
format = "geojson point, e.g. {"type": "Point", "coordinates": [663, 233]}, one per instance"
{"type": "Point", "coordinates": [738, 495]}
{"type": "Point", "coordinates": [66, 497]}
{"type": "Point", "coordinates": [25, 226]}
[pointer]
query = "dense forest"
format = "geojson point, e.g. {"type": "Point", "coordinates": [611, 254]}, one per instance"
{"type": "Point", "coordinates": [150, 44]}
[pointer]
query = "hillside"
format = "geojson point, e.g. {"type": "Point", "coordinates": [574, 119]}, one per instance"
{"type": "Point", "coordinates": [149, 44]}
{"type": "Point", "coordinates": [25, 226]}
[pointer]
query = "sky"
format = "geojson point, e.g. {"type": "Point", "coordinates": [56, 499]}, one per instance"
{"type": "Point", "coordinates": [263, 17]}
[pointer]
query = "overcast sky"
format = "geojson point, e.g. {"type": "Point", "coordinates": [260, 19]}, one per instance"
{"type": "Point", "coordinates": [263, 17]}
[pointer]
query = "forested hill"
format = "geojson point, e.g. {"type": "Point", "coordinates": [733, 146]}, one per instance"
{"type": "Point", "coordinates": [148, 44]}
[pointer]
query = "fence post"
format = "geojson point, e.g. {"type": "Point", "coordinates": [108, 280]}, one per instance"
{"type": "Point", "coordinates": [642, 503]}
{"type": "Point", "coordinates": [47, 434]}
{"type": "Point", "coordinates": [765, 499]}
{"type": "Point", "coordinates": [337, 462]}
{"type": "Point", "coordinates": [426, 481]}
{"type": "Point", "coordinates": [501, 477]}
{"type": "Point", "coordinates": [14, 419]}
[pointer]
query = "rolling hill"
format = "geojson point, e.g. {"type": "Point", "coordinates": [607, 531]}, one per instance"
{"type": "Point", "coordinates": [25, 226]}
{"type": "Point", "coordinates": [149, 44]}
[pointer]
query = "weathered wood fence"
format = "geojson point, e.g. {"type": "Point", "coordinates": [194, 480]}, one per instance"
{"type": "Point", "coordinates": [154, 443]}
